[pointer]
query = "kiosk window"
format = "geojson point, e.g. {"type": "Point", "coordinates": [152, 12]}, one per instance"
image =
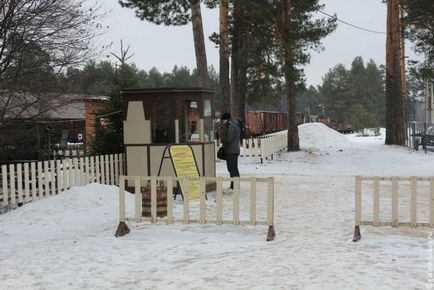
{"type": "Point", "coordinates": [208, 121]}
{"type": "Point", "coordinates": [161, 120]}
{"type": "Point", "coordinates": [189, 131]}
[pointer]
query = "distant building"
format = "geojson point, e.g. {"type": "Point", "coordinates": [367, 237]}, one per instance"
{"type": "Point", "coordinates": [31, 138]}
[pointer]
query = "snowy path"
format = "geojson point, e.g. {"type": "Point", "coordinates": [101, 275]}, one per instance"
{"type": "Point", "coordinates": [313, 249]}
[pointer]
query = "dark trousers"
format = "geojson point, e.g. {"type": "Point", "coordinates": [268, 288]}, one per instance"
{"type": "Point", "coordinates": [232, 165]}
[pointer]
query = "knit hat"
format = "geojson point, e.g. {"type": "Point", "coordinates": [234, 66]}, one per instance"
{"type": "Point", "coordinates": [226, 116]}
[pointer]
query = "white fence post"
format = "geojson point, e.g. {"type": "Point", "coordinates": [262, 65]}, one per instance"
{"type": "Point", "coordinates": [92, 169]}
{"type": "Point", "coordinates": [153, 199]}
{"type": "Point", "coordinates": [253, 201]}
{"type": "Point", "coordinates": [112, 170]}
{"type": "Point", "coordinates": [169, 200]}
{"type": "Point", "coordinates": [81, 171]}
{"type": "Point", "coordinates": [53, 177]}
{"type": "Point", "coordinates": [395, 201]}
{"type": "Point", "coordinates": [102, 164]}
{"type": "Point", "coordinates": [12, 183]}
{"type": "Point", "coordinates": [107, 170]}
{"type": "Point", "coordinates": [122, 199]}
{"type": "Point", "coordinates": [33, 178]}
{"type": "Point", "coordinates": [19, 183]}
{"type": "Point", "coordinates": [186, 196]}
{"type": "Point", "coordinates": [376, 201]}
{"type": "Point", "coordinates": [86, 170]}
{"type": "Point", "coordinates": [26, 182]}
{"type": "Point", "coordinates": [77, 170]}
{"type": "Point", "coordinates": [65, 174]}
{"type": "Point", "coordinates": [59, 176]}
{"type": "Point", "coordinates": [47, 178]}
{"type": "Point", "coordinates": [219, 196]}
{"type": "Point", "coordinates": [121, 164]}
{"type": "Point", "coordinates": [71, 172]}
{"type": "Point", "coordinates": [236, 201]}
{"type": "Point", "coordinates": [413, 200]}
{"type": "Point", "coordinates": [40, 180]}
{"type": "Point", "coordinates": [202, 218]}
{"type": "Point", "coordinates": [358, 199]}
{"type": "Point", "coordinates": [270, 201]}
{"type": "Point", "coordinates": [5, 185]}
{"type": "Point", "coordinates": [77, 176]}
{"type": "Point", "coordinates": [138, 199]}
{"type": "Point", "coordinates": [116, 165]}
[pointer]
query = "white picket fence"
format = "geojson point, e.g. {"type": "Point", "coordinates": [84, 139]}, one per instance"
{"type": "Point", "coordinates": [264, 147]}
{"type": "Point", "coordinates": [244, 208]}
{"type": "Point", "coordinates": [24, 182]}
{"type": "Point", "coordinates": [403, 201]}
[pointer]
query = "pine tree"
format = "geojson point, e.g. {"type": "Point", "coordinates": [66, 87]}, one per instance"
{"type": "Point", "coordinates": [375, 91]}
{"type": "Point", "coordinates": [395, 131]}
{"type": "Point", "coordinates": [177, 12]}
{"type": "Point", "coordinates": [418, 21]}
{"type": "Point", "coordinates": [269, 48]}
{"type": "Point", "coordinates": [335, 92]}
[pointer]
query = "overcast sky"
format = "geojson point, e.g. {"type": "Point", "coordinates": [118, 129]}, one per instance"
{"type": "Point", "coordinates": [163, 47]}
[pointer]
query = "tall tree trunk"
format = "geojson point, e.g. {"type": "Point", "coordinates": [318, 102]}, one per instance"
{"type": "Point", "coordinates": [395, 127]}
{"type": "Point", "coordinates": [242, 85]}
{"type": "Point", "coordinates": [224, 56]}
{"type": "Point", "coordinates": [293, 140]}
{"type": "Point", "coordinates": [199, 44]}
{"type": "Point", "coordinates": [402, 58]}
{"type": "Point", "coordinates": [235, 60]}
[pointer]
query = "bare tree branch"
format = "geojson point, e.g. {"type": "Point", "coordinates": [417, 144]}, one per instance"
{"type": "Point", "coordinates": [39, 39]}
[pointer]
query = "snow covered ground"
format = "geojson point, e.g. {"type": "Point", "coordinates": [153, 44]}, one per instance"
{"type": "Point", "coordinates": [67, 241]}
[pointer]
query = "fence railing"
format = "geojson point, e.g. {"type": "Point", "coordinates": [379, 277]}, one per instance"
{"type": "Point", "coordinates": [410, 197]}
{"type": "Point", "coordinates": [264, 147]}
{"type": "Point", "coordinates": [24, 182]}
{"type": "Point", "coordinates": [273, 143]}
{"type": "Point", "coordinates": [238, 216]}
{"type": "Point", "coordinates": [250, 149]}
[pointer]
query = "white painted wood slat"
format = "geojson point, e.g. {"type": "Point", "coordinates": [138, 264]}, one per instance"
{"type": "Point", "coordinates": [53, 177]}
{"type": "Point", "coordinates": [5, 188]}
{"type": "Point", "coordinates": [26, 182]}
{"type": "Point", "coordinates": [413, 201]}
{"type": "Point", "coordinates": [112, 170]}
{"type": "Point", "coordinates": [12, 183]}
{"type": "Point", "coordinates": [107, 170]}
{"type": "Point", "coordinates": [33, 178]}
{"type": "Point", "coordinates": [19, 183]}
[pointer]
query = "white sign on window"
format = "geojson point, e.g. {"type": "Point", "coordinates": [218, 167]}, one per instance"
{"type": "Point", "coordinates": [207, 108]}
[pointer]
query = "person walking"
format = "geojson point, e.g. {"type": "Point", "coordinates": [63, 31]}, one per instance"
{"type": "Point", "coordinates": [230, 137]}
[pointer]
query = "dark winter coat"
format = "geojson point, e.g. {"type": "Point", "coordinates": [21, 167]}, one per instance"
{"type": "Point", "coordinates": [230, 136]}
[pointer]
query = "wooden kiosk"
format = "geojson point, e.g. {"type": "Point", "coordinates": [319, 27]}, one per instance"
{"type": "Point", "coordinates": [154, 118]}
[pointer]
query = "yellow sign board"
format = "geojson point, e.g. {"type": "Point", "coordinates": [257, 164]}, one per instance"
{"type": "Point", "coordinates": [184, 164]}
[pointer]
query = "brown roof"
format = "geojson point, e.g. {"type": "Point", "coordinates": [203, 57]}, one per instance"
{"type": "Point", "coordinates": [68, 106]}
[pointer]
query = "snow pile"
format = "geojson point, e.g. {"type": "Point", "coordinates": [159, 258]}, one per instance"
{"type": "Point", "coordinates": [78, 209]}
{"type": "Point", "coordinates": [319, 136]}
{"type": "Point", "coordinates": [370, 139]}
